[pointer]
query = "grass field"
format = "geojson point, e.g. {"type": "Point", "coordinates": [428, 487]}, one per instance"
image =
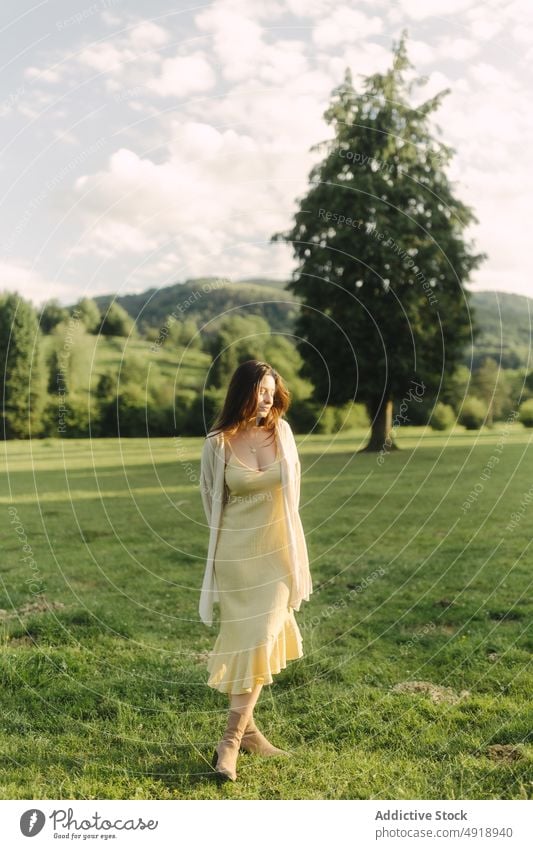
{"type": "Point", "coordinates": [416, 680]}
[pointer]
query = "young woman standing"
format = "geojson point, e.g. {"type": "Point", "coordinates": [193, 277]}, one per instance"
{"type": "Point", "coordinates": [257, 565]}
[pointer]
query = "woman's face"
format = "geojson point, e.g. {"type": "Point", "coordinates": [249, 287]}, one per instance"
{"type": "Point", "coordinates": [265, 395]}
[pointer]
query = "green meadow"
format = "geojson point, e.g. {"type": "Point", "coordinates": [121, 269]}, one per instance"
{"type": "Point", "coordinates": [416, 681]}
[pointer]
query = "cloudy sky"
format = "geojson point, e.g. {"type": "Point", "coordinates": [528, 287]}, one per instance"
{"type": "Point", "coordinates": [147, 142]}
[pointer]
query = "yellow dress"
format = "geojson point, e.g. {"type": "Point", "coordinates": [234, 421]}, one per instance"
{"type": "Point", "coordinates": [258, 631]}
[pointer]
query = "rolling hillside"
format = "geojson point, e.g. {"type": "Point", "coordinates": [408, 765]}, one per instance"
{"type": "Point", "coordinates": [505, 320]}
{"type": "Point", "coordinates": [205, 298]}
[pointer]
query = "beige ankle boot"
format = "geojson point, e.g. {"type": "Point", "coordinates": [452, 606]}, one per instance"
{"type": "Point", "coordinates": [227, 751]}
{"type": "Point", "coordinates": [253, 741]}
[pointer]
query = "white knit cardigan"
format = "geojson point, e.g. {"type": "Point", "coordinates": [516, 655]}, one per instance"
{"type": "Point", "coordinates": [212, 488]}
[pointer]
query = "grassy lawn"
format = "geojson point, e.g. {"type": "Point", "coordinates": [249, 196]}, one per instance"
{"type": "Point", "coordinates": [416, 680]}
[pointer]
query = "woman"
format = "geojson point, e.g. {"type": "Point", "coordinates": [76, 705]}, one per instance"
{"type": "Point", "coordinates": [257, 564]}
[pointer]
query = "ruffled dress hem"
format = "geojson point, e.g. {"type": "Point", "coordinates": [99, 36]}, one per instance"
{"type": "Point", "coordinates": [239, 672]}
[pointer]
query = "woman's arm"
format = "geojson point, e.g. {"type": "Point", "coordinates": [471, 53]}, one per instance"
{"type": "Point", "coordinates": [298, 475]}
{"type": "Point", "coordinates": [295, 466]}
{"type": "Point", "coordinates": [206, 478]}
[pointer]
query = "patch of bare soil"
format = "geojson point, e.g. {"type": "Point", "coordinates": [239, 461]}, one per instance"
{"type": "Point", "coordinates": [446, 628]}
{"type": "Point", "coordinates": [42, 605]}
{"type": "Point", "coordinates": [435, 692]}
{"type": "Point", "coordinates": [506, 753]}
{"type": "Point", "coordinates": [200, 656]}
{"type": "Point", "coordinates": [22, 641]}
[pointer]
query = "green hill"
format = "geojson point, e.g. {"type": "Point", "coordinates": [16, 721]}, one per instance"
{"type": "Point", "coordinates": [504, 319]}
{"type": "Point", "coordinates": [205, 298]}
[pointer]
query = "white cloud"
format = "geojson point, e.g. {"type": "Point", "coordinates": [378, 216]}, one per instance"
{"type": "Point", "coordinates": [237, 40]}
{"type": "Point", "coordinates": [421, 9]}
{"type": "Point", "coordinates": [183, 75]}
{"type": "Point", "coordinates": [345, 24]}
{"type": "Point", "coordinates": [459, 49]}
{"type": "Point", "coordinates": [110, 19]}
{"type": "Point", "coordinates": [112, 236]}
{"type": "Point", "coordinates": [217, 192]}
{"type": "Point", "coordinates": [131, 55]}
{"type": "Point", "coordinates": [239, 45]}
{"type": "Point", "coordinates": [486, 74]}
{"type": "Point", "coordinates": [148, 34]}
{"type": "Point", "coordinates": [420, 52]}
{"type": "Point", "coordinates": [287, 119]}
{"type": "Point", "coordinates": [365, 59]}
{"type": "Point", "coordinates": [309, 8]}
{"type": "Point", "coordinates": [484, 22]}
{"type": "Point", "coordinates": [30, 283]}
{"type": "Point", "coordinates": [436, 81]}
{"type": "Point", "coordinates": [281, 62]}
{"type": "Point", "coordinates": [515, 18]}
{"type": "Point", "coordinates": [105, 57]}
{"type": "Point", "coordinates": [254, 9]}
{"type": "Point", "coordinates": [47, 75]}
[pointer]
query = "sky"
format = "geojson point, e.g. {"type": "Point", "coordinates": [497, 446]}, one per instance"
{"type": "Point", "coordinates": [147, 143]}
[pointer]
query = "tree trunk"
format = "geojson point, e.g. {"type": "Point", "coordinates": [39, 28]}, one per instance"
{"type": "Point", "coordinates": [380, 413]}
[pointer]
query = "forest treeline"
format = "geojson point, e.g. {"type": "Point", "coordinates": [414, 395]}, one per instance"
{"type": "Point", "coordinates": [158, 364]}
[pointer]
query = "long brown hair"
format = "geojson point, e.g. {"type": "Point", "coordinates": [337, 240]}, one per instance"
{"type": "Point", "coordinates": [241, 398]}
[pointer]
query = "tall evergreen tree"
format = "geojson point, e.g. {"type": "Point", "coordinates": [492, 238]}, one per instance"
{"type": "Point", "coordinates": [21, 386]}
{"type": "Point", "coordinates": [381, 256]}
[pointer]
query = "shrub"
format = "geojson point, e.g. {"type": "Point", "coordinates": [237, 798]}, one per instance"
{"type": "Point", "coordinates": [302, 415]}
{"type": "Point", "coordinates": [417, 413]}
{"type": "Point", "coordinates": [473, 413]}
{"type": "Point", "coordinates": [52, 314]}
{"type": "Point", "coordinates": [132, 411]}
{"type": "Point", "coordinates": [160, 419]}
{"type": "Point", "coordinates": [198, 418]}
{"type": "Point", "coordinates": [183, 418]}
{"type": "Point", "coordinates": [116, 321]}
{"type": "Point", "coordinates": [443, 417]}
{"type": "Point", "coordinates": [351, 416]}
{"type": "Point", "coordinates": [525, 413]}
{"type": "Point", "coordinates": [90, 314]}
{"type": "Point", "coordinates": [73, 421]}
{"type": "Point", "coordinates": [306, 416]}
